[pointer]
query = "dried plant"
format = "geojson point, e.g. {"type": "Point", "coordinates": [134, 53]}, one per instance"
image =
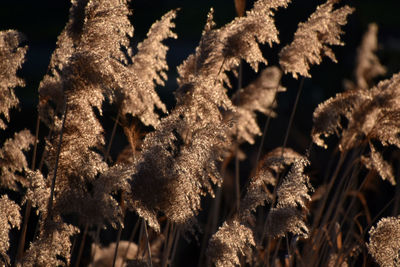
{"type": "Point", "coordinates": [169, 178]}
{"type": "Point", "coordinates": [292, 198]}
{"type": "Point", "coordinates": [53, 245]}
{"type": "Point", "coordinates": [38, 191]}
{"type": "Point", "coordinates": [294, 189]}
{"type": "Point", "coordinates": [259, 96]}
{"type": "Point", "coordinates": [236, 235]}
{"type": "Point", "coordinates": [384, 243]}
{"type": "Point", "coordinates": [12, 56]}
{"type": "Point", "coordinates": [371, 114]}
{"type": "Point", "coordinates": [368, 66]}
{"type": "Point", "coordinates": [232, 239]}
{"type": "Point", "coordinates": [312, 38]}
{"type": "Point", "coordinates": [186, 146]}
{"type": "Point", "coordinates": [13, 161]}
{"type": "Point", "coordinates": [220, 50]}
{"type": "Point", "coordinates": [10, 218]}
{"type": "Point", "coordinates": [89, 48]}
{"type": "Point", "coordinates": [272, 165]}
{"type": "Point", "coordinates": [147, 70]}
{"type": "Point", "coordinates": [12, 158]}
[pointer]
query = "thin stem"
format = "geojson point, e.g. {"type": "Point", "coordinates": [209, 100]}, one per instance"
{"type": "Point", "coordinates": [220, 69]}
{"type": "Point", "coordinates": [28, 207]}
{"type": "Point", "coordinates": [211, 224]}
{"type": "Point", "coordinates": [379, 214]}
{"type": "Point", "coordinates": [267, 248]}
{"type": "Point", "coordinates": [21, 243]}
{"type": "Point", "coordinates": [169, 243]}
{"type": "Point", "coordinates": [330, 185]}
{"type": "Point", "coordinates": [35, 143]}
{"type": "Point", "coordinates": [41, 163]}
{"type": "Point", "coordinates": [96, 242]}
{"type": "Point", "coordinates": [148, 242]}
{"type": "Point", "coordinates": [117, 245]}
{"type": "Point", "coordinates": [266, 125]}
{"type": "Point", "coordinates": [337, 200]}
{"type": "Point", "coordinates": [237, 170]}
{"type": "Point", "coordinates": [293, 113]}
{"type": "Point", "coordinates": [75, 238]}
{"type": "Point", "coordinates": [107, 154]}
{"type": "Point", "coordinates": [175, 245]}
{"type": "Point", "coordinates": [135, 228]}
{"type": "Point", "coordinates": [166, 233]}
{"type": "Point", "coordinates": [53, 182]}
{"type": "Point", "coordinates": [276, 251]}
{"type": "Point", "coordinates": [80, 252]}
{"type": "Point", "coordinates": [299, 90]}
{"type": "Point", "coordinates": [140, 240]}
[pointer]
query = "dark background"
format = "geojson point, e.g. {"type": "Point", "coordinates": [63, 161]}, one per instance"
{"type": "Point", "coordinates": [41, 21]}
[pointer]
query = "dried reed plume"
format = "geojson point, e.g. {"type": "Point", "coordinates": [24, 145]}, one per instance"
{"type": "Point", "coordinates": [175, 174]}
{"type": "Point", "coordinates": [312, 38]}
{"type": "Point", "coordinates": [384, 242]}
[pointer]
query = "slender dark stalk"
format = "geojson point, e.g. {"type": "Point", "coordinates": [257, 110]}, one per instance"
{"type": "Point", "coordinates": [107, 154]}
{"type": "Point", "coordinates": [53, 182]}
{"type": "Point", "coordinates": [211, 224]}
{"type": "Point", "coordinates": [41, 163]}
{"type": "Point", "coordinates": [396, 208]}
{"type": "Point", "coordinates": [331, 212]}
{"type": "Point", "coordinates": [96, 241]}
{"type": "Point", "coordinates": [237, 170]}
{"type": "Point", "coordinates": [74, 241]}
{"type": "Point", "coordinates": [339, 192]}
{"type": "Point", "coordinates": [135, 228]}
{"type": "Point", "coordinates": [390, 202]}
{"type": "Point", "coordinates": [117, 244]}
{"type": "Point", "coordinates": [167, 230]}
{"type": "Point", "coordinates": [265, 129]}
{"type": "Point", "coordinates": [82, 245]}
{"type": "Point", "coordinates": [21, 242]}
{"type": "Point", "coordinates": [278, 244]}
{"type": "Point", "coordinates": [220, 69]}
{"type": "Point", "coordinates": [299, 90]}
{"type": "Point", "coordinates": [174, 247]}
{"type": "Point", "coordinates": [35, 142]}
{"type": "Point", "coordinates": [291, 119]}
{"type": "Point", "coordinates": [28, 208]}
{"type": "Point", "coordinates": [267, 247]}
{"type": "Point", "coordinates": [330, 218]}
{"type": "Point", "coordinates": [170, 241]}
{"type": "Point", "coordinates": [140, 240]}
{"type": "Point", "coordinates": [329, 188]}
{"type": "Point", "coordinates": [288, 249]}
{"type": "Point", "coordinates": [147, 242]}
